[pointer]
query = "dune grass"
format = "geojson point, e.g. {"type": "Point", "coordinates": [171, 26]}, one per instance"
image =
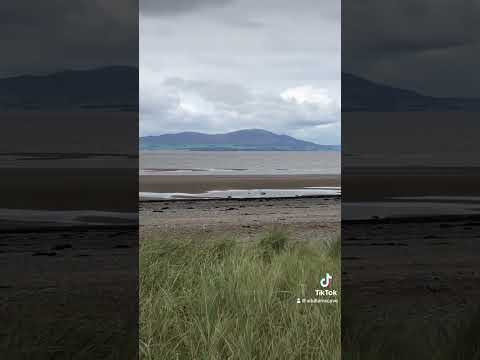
{"type": "Point", "coordinates": [456, 339]}
{"type": "Point", "coordinates": [45, 328]}
{"type": "Point", "coordinates": [223, 299]}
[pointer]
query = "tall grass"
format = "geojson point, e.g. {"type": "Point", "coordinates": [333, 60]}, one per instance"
{"type": "Point", "coordinates": [46, 329]}
{"type": "Point", "coordinates": [222, 299]}
{"type": "Point", "coordinates": [456, 339]}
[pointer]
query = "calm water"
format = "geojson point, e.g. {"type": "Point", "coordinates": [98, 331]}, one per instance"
{"type": "Point", "coordinates": [239, 162]}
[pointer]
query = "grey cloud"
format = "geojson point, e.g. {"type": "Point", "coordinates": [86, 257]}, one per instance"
{"type": "Point", "coordinates": [413, 43]}
{"type": "Point", "coordinates": [244, 22]}
{"type": "Point", "coordinates": [214, 91]}
{"type": "Point", "coordinates": [199, 106]}
{"type": "Point", "coordinates": [56, 35]}
{"type": "Point", "coordinates": [225, 65]}
{"type": "Point", "coordinates": [172, 7]}
{"type": "Point", "coordinates": [392, 28]}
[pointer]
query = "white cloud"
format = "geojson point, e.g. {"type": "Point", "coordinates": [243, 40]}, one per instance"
{"type": "Point", "coordinates": [180, 105]}
{"type": "Point", "coordinates": [308, 95]}
{"type": "Point", "coordinates": [273, 67]}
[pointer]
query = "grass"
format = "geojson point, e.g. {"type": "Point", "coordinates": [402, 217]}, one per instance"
{"type": "Point", "coordinates": [44, 328]}
{"type": "Point", "coordinates": [456, 339]}
{"type": "Point", "coordinates": [223, 299]}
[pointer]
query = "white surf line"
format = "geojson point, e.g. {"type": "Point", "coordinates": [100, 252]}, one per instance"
{"type": "Point", "coordinates": [243, 194]}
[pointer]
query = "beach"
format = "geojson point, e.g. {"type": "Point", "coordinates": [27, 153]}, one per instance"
{"type": "Point", "coordinates": [69, 254]}
{"type": "Point", "coordinates": [409, 244]}
{"type": "Point", "coordinates": [380, 183]}
{"type": "Point", "coordinates": [233, 236]}
{"type": "Point", "coordinates": [202, 183]}
{"type": "Point", "coordinates": [304, 216]}
{"type": "Point", "coordinates": [103, 189]}
{"type": "Point", "coordinates": [237, 268]}
{"type": "Point", "coordinates": [314, 218]}
{"type": "Point", "coordinates": [63, 288]}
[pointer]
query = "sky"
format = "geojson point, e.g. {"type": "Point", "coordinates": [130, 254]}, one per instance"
{"type": "Point", "coordinates": [59, 35]}
{"type": "Point", "coordinates": [431, 46]}
{"type": "Point", "coordinates": [222, 65]}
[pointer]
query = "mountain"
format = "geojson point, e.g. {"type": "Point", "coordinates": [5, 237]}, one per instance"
{"type": "Point", "coordinates": [359, 94]}
{"type": "Point", "coordinates": [112, 88]}
{"type": "Point", "coordinates": [249, 139]}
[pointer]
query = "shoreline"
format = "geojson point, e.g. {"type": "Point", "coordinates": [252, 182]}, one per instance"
{"type": "Point", "coordinates": [204, 183]}
{"type": "Point", "coordinates": [314, 218]}
{"type": "Point", "coordinates": [246, 199]}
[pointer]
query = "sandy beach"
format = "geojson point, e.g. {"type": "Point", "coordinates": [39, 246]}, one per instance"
{"type": "Point", "coordinates": [241, 218]}
{"type": "Point", "coordinates": [303, 218]}
{"type": "Point", "coordinates": [314, 217]}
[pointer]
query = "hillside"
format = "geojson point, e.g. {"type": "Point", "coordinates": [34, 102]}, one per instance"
{"type": "Point", "coordinates": [249, 139]}
{"type": "Point", "coordinates": [359, 94]}
{"type": "Point", "coordinates": [112, 88]}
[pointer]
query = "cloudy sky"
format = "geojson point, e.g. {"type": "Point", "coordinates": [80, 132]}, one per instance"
{"type": "Point", "coordinates": [431, 46]}
{"type": "Point", "coordinates": [223, 65]}
{"type": "Point", "coordinates": [52, 35]}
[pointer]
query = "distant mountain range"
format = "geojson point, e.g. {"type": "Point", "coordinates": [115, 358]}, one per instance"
{"type": "Point", "coordinates": [359, 94]}
{"type": "Point", "coordinates": [110, 88]}
{"type": "Point", "coordinates": [116, 88]}
{"type": "Point", "coordinates": [245, 140]}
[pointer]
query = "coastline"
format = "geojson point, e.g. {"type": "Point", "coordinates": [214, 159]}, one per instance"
{"type": "Point", "coordinates": [303, 218]}
{"type": "Point", "coordinates": [204, 183]}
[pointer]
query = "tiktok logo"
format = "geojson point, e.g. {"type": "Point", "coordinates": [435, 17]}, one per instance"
{"type": "Point", "coordinates": [326, 281]}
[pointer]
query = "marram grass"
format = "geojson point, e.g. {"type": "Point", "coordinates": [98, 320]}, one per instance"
{"type": "Point", "coordinates": [224, 299]}
{"type": "Point", "coordinates": [456, 339]}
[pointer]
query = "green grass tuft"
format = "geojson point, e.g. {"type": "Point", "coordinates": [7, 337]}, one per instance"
{"type": "Point", "coordinates": [223, 299]}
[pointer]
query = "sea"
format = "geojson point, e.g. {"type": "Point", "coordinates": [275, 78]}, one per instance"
{"type": "Point", "coordinates": [238, 163]}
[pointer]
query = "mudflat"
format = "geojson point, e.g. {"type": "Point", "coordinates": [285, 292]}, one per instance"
{"type": "Point", "coordinates": [105, 189]}
{"type": "Point", "coordinates": [375, 184]}
{"type": "Point", "coordinates": [202, 183]}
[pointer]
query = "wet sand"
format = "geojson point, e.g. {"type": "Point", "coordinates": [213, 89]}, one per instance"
{"type": "Point", "coordinates": [70, 189]}
{"type": "Point", "coordinates": [374, 184]}
{"type": "Point", "coordinates": [203, 183]}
